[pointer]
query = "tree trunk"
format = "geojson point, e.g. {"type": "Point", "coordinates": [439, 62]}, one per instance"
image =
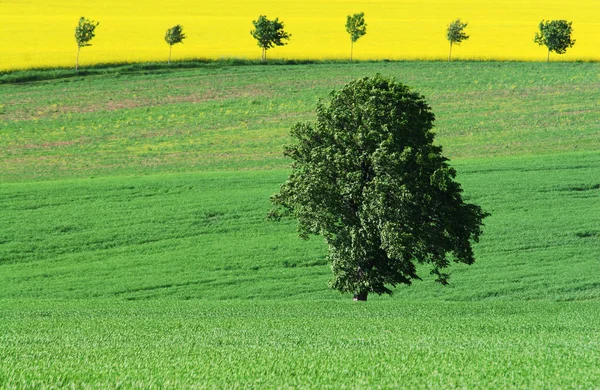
{"type": "Point", "coordinates": [263, 58]}
{"type": "Point", "coordinates": [77, 59]}
{"type": "Point", "coordinates": [548, 58]}
{"type": "Point", "coordinates": [170, 48]}
{"type": "Point", "coordinates": [450, 54]}
{"type": "Point", "coordinates": [351, 48]}
{"type": "Point", "coordinates": [361, 296]}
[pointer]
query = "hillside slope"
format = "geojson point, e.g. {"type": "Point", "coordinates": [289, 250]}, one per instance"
{"type": "Point", "coordinates": [157, 185]}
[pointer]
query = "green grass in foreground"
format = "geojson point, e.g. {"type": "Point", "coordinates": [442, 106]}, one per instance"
{"type": "Point", "coordinates": [316, 344]}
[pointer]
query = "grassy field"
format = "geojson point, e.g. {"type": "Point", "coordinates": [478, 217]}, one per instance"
{"type": "Point", "coordinates": [135, 252]}
{"type": "Point", "coordinates": [319, 344]}
{"type": "Point", "coordinates": [224, 117]}
{"type": "Point", "coordinates": [41, 33]}
{"type": "Point", "coordinates": [204, 235]}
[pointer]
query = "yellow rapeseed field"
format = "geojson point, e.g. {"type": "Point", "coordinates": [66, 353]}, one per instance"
{"type": "Point", "coordinates": [37, 33]}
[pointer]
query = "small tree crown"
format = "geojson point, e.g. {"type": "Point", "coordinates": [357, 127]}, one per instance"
{"type": "Point", "coordinates": [269, 33]}
{"type": "Point", "coordinates": [555, 35]}
{"type": "Point", "coordinates": [85, 31]}
{"type": "Point", "coordinates": [356, 26]}
{"type": "Point", "coordinates": [175, 35]}
{"type": "Point", "coordinates": [455, 32]}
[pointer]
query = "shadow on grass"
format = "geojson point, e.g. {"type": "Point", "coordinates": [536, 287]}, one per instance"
{"type": "Point", "coordinates": [50, 73]}
{"type": "Point", "coordinates": [124, 68]}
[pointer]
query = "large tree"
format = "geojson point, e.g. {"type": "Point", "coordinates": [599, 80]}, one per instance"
{"type": "Point", "coordinates": [356, 27]}
{"type": "Point", "coordinates": [268, 34]}
{"type": "Point", "coordinates": [455, 34]}
{"type": "Point", "coordinates": [555, 35]}
{"type": "Point", "coordinates": [368, 177]}
{"type": "Point", "coordinates": [174, 36]}
{"type": "Point", "coordinates": [84, 32]}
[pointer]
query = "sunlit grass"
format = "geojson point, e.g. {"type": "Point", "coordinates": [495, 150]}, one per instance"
{"type": "Point", "coordinates": [306, 345]}
{"type": "Point", "coordinates": [134, 250]}
{"type": "Point", "coordinates": [230, 118]}
{"type": "Point", "coordinates": [205, 235]}
{"type": "Point", "coordinates": [39, 33]}
{"type": "Point", "coordinates": [523, 137]}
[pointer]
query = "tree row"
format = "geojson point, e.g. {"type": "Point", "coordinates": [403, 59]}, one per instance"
{"type": "Point", "coordinates": [554, 34]}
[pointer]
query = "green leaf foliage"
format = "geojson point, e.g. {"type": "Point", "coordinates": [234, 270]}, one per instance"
{"type": "Point", "coordinates": [269, 33]}
{"type": "Point", "coordinates": [455, 32]}
{"type": "Point", "coordinates": [555, 35]}
{"type": "Point", "coordinates": [175, 35]}
{"type": "Point", "coordinates": [85, 31]}
{"type": "Point", "coordinates": [356, 26]}
{"type": "Point", "coordinates": [368, 177]}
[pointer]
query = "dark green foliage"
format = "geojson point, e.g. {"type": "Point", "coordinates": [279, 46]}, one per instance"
{"type": "Point", "coordinates": [356, 27]}
{"type": "Point", "coordinates": [368, 178]}
{"type": "Point", "coordinates": [84, 33]}
{"type": "Point", "coordinates": [268, 34]}
{"type": "Point", "coordinates": [455, 34]}
{"type": "Point", "coordinates": [555, 35]}
{"type": "Point", "coordinates": [173, 36]}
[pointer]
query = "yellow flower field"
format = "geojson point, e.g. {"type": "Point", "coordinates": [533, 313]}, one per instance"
{"type": "Point", "coordinates": [40, 32]}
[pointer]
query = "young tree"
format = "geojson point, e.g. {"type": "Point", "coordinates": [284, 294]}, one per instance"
{"type": "Point", "coordinates": [84, 32]}
{"type": "Point", "coordinates": [555, 35]}
{"type": "Point", "coordinates": [269, 33]}
{"type": "Point", "coordinates": [173, 36]}
{"type": "Point", "coordinates": [455, 34]}
{"type": "Point", "coordinates": [368, 177]}
{"type": "Point", "coordinates": [356, 27]}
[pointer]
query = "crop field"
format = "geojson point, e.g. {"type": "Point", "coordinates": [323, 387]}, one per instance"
{"type": "Point", "coordinates": [40, 33]}
{"type": "Point", "coordinates": [135, 250]}
{"type": "Point", "coordinates": [237, 117]}
{"type": "Point", "coordinates": [323, 344]}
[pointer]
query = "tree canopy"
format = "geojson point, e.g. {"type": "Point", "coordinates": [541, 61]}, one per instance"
{"type": "Point", "coordinates": [368, 178]}
{"type": "Point", "coordinates": [173, 36]}
{"type": "Point", "coordinates": [84, 33]}
{"type": "Point", "coordinates": [356, 27]}
{"type": "Point", "coordinates": [268, 34]}
{"type": "Point", "coordinates": [455, 34]}
{"type": "Point", "coordinates": [555, 35]}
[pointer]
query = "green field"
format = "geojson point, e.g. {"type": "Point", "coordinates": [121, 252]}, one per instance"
{"type": "Point", "coordinates": [135, 250]}
{"type": "Point", "coordinates": [323, 344]}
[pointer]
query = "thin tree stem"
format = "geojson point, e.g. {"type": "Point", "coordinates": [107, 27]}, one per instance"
{"type": "Point", "coordinates": [77, 59]}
